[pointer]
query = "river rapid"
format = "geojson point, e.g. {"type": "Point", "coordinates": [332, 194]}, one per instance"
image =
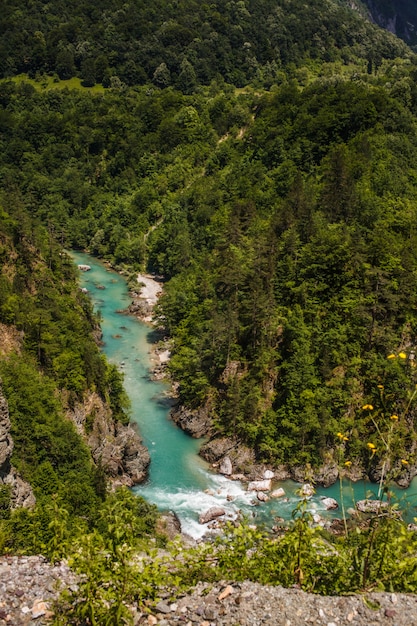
{"type": "Point", "coordinates": [179, 480]}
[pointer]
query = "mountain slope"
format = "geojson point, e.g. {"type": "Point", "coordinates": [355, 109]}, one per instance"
{"type": "Point", "coordinates": [397, 16]}
{"type": "Point", "coordinates": [183, 44]}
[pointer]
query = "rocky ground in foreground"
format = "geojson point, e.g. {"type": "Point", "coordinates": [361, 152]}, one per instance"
{"type": "Point", "coordinates": [28, 587]}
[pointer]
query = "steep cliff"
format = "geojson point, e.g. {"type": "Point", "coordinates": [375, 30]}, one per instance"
{"type": "Point", "coordinates": [21, 494]}
{"type": "Point", "coordinates": [116, 447]}
{"type": "Point", "coordinates": [397, 16]}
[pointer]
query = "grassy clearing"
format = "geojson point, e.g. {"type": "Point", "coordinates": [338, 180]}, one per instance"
{"type": "Point", "coordinates": [47, 83]}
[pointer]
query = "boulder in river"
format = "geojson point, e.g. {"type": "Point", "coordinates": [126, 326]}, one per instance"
{"type": "Point", "coordinates": [262, 497]}
{"type": "Point", "coordinates": [84, 268]}
{"type": "Point", "coordinates": [307, 490]}
{"type": "Point", "coordinates": [371, 506]}
{"type": "Point", "coordinates": [213, 513]}
{"type": "Point", "coordinates": [260, 485]}
{"type": "Point", "coordinates": [226, 466]}
{"type": "Point", "coordinates": [278, 493]}
{"type": "Point", "coordinates": [330, 504]}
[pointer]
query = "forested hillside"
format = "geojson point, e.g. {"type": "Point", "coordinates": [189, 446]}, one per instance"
{"type": "Point", "coordinates": [261, 156]}
{"type": "Point", "coordinates": [284, 223]}
{"type": "Point", "coordinates": [184, 44]}
{"type": "Point", "coordinates": [49, 363]}
{"type": "Point", "coordinates": [283, 219]}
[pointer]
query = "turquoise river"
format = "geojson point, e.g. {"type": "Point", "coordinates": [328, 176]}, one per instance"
{"type": "Point", "coordinates": [179, 480]}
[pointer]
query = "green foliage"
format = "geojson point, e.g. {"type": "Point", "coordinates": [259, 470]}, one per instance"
{"type": "Point", "coordinates": [113, 574]}
{"type": "Point", "coordinates": [186, 44]}
{"type": "Point", "coordinates": [5, 495]}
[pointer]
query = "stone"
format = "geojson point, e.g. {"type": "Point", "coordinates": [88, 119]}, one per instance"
{"type": "Point", "coordinates": [84, 268]}
{"type": "Point", "coordinates": [330, 504]}
{"type": "Point", "coordinates": [371, 506]}
{"type": "Point", "coordinates": [152, 620]}
{"type": "Point", "coordinates": [262, 497]}
{"type": "Point", "coordinates": [278, 493]}
{"type": "Point", "coordinates": [226, 466]}
{"type": "Point", "coordinates": [213, 513]}
{"type": "Point", "coordinates": [226, 592]}
{"type": "Point", "coordinates": [260, 485]}
{"type": "Point", "coordinates": [307, 490]}
{"type": "Point", "coordinates": [39, 608]}
{"type": "Point", "coordinates": [161, 607]}
{"type": "Point", "coordinates": [268, 474]}
{"type": "Point", "coordinates": [237, 477]}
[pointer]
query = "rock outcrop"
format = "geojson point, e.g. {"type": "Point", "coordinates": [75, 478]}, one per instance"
{"type": "Point", "coordinates": [196, 423]}
{"type": "Point", "coordinates": [116, 447]}
{"type": "Point", "coordinates": [21, 493]}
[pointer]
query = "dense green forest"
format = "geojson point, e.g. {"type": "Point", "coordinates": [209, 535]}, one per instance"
{"type": "Point", "coordinates": [184, 44]}
{"type": "Point", "coordinates": [283, 221]}
{"type": "Point", "coordinates": [49, 361]}
{"type": "Point", "coordinates": [261, 156]}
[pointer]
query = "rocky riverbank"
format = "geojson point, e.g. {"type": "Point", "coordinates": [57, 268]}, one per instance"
{"type": "Point", "coordinates": [117, 447]}
{"type": "Point", "coordinates": [29, 586]}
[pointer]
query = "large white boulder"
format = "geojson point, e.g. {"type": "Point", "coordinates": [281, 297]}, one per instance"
{"type": "Point", "coordinates": [260, 485]}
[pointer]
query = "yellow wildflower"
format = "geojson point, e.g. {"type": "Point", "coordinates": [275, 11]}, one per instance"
{"type": "Point", "coordinates": [340, 435]}
{"type": "Point", "coordinates": [368, 407]}
{"type": "Point", "coordinates": [402, 355]}
{"type": "Point", "coordinates": [345, 438]}
{"type": "Point", "coordinates": [348, 463]}
{"type": "Point", "coordinates": [391, 356]}
{"type": "Point", "coordinates": [404, 462]}
{"type": "Point", "coordinates": [380, 386]}
{"type": "Point", "coordinates": [371, 446]}
{"type": "Point", "coordinates": [394, 417]}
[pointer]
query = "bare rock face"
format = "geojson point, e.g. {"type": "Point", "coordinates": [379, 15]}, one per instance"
{"type": "Point", "coordinates": [6, 442]}
{"type": "Point", "coordinates": [196, 423]}
{"type": "Point", "coordinates": [242, 458]}
{"type": "Point", "coordinates": [117, 447]}
{"type": "Point", "coordinates": [21, 492]}
{"type": "Point", "coordinates": [169, 525]}
{"type": "Point", "coordinates": [325, 475]}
